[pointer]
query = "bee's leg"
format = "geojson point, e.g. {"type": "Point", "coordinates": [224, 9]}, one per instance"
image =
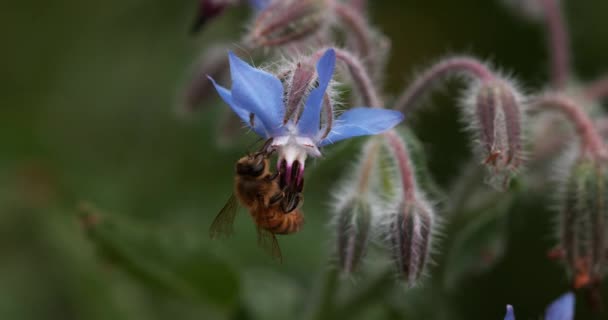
{"type": "Point", "coordinates": [272, 176]}
{"type": "Point", "coordinates": [291, 201]}
{"type": "Point", "coordinates": [275, 199]}
{"type": "Point", "coordinates": [267, 148]}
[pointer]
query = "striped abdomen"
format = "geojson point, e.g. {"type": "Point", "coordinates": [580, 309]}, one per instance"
{"type": "Point", "coordinates": [278, 222]}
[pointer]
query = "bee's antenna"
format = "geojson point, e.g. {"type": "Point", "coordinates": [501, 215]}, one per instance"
{"type": "Point", "coordinates": [266, 147]}
{"type": "Point", "coordinates": [252, 145]}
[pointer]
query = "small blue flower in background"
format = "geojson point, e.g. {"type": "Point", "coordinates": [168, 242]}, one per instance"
{"type": "Point", "coordinates": [509, 315]}
{"type": "Point", "coordinates": [561, 309]}
{"type": "Point", "coordinates": [257, 97]}
{"type": "Point", "coordinates": [258, 4]}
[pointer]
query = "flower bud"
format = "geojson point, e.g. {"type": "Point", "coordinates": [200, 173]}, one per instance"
{"type": "Point", "coordinates": [286, 21]}
{"type": "Point", "coordinates": [207, 10]}
{"type": "Point", "coordinates": [583, 215]}
{"type": "Point", "coordinates": [353, 230]}
{"type": "Point", "coordinates": [411, 223]}
{"type": "Point", "coordinates": [354, 210]}
{"type": "Point", "coordinates": [497, 122]}
{"type": "Point", "coordinates": [198, 88]}
{"type": "Point", "coordinates": [410, 236]}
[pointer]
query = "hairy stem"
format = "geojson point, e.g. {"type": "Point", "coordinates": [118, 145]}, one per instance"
{"type": "Point", "coordinates": [326, 297]}
{"type": "Point", "coordinates": [467, 66]}
{"type": "Point", "coordinates": [408, 181]}
{"type": "Point", "coordinates": [558, 45]}
{"type": "Point", "coordinates": [359, 5]}
{"type": "Point", "coordinates": [597, 90]}
{"type": "Point", "coordinates": [590, 138]}
{"type": "Point", "coordinates": [356, 25]}
{"type": "Point", "coordinates": [368, 165]}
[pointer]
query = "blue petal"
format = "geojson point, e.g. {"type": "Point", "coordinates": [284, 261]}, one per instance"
{"type": "Point", "coordinates": [362, 122]}
{"type": "Point", "coordinates": [258, 4]}
{"type": "Point", "coordinates": [242, 113]}
{"type": "Point", "coordinates": [258, 92]}
{"type": "Point", "coordinates": [562, 308]}
{"type": "Point", "coordinates": [311, 116]}
{"type": "Point", "coordinates": [510, 315]}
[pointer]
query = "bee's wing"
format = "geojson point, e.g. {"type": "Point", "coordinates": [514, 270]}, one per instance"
{"type": "Point", "coordinates": [268, 241]}
{"type": "Point", "coordinates": [222, 224]}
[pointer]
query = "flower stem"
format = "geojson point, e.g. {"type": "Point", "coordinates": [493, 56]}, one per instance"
{"type": "Point", "coordinates": [325, 308]}
{"type": "Point", "coordinates": [558, 43]}
{"type": "Point", "coordinates": [408, 181]}
{"type": "Point", "coordinates": [470, 67]}
{"type": "Point", "coordinates": [372, 292]}
{"type": "Point", "coordinates": [356, 24]}
{"type": "Point", "coordinates": [359, 5]}
{"type": "Point", "coordinates": [369, 157]}
{"type": "Point", "coordinates": [590, 138]}
{"type": "Point", "coordinates": [597, 90]}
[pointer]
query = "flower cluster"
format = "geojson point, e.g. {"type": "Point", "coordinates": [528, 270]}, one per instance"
{"type": "Point", "coordinates": [386, 198]}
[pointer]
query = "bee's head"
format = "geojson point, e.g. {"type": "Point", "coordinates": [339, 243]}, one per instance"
{"type": "Point", "coordinates": [251, 165]}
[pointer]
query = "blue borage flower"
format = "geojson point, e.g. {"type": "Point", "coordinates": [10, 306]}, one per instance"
{"type": "Point", "coordinates": [561, 309]}
{"type": "Point", "coordinates": [257, 97]}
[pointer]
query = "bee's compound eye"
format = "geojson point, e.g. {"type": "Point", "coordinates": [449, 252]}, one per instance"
{"type": "Point", "coordinates": [250, 169]}
{"type": "Point", "coordinates": [257, 169]}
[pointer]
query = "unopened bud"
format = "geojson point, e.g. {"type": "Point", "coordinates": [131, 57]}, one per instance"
{"type": "Point", "coordinates": [353, 227]}
{"type": "Point", "coordinates": [207, 10]}
{"type": "Point", "coordinates": [497, 122]}
{"type": "Point", "coordinates": [410, 236]}
{"type": "Point", "coordinates": [412, 220]}
{"type": "Point", "coordinates": [284, 21]}
{"type": "Point", "coordinates": [354, 210]}
{"type": "Point", "coordinates": [584, 211]}
{"type": "Point", "coordinates": [198, 88]}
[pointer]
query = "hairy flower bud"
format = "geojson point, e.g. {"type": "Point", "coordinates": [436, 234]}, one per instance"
{"type": "Point", "coordinates": [284, 21]}
{"type": "Point", "coordinates": [497, 124]}
{"type": "Point", "coordinates": [353, 231]}
{"type": "Point", "coordinates": [207, 10]}
{"type": "Point", "coordinates": [583, 215]}
{"type": "Point", "coordinates": [410, 236]}
{"type": "Point", "coordinates": [354, 210]}
{"type": "Point", "coordinates": [411, 225]}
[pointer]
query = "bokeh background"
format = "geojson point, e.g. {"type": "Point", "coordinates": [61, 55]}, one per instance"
{"type": "Point", "coordinates": [89, 92]}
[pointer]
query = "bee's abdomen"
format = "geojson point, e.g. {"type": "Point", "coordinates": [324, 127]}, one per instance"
{"type": "Point", "coordinates": [278, 222]}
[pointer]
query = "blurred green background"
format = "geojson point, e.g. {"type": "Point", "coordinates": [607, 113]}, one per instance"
{"type": "Point", "coordinates": [87, 113]}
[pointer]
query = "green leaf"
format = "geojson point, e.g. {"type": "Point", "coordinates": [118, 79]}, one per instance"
{"type": "Point", "coordinates": [165, 262]}
{"type": "Point", "coordinates": [480, 245]}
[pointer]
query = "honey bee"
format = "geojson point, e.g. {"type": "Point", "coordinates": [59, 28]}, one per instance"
{"type": "Point", "coordinates": [257, 189]}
